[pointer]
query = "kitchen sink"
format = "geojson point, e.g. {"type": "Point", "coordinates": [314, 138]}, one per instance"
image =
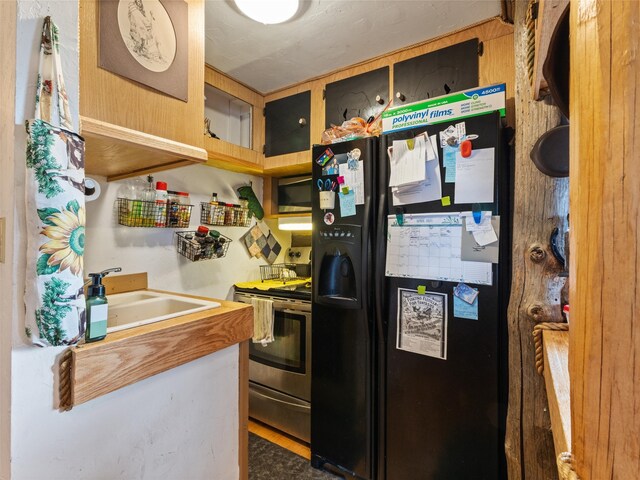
{"type": "Point", "coordinates": [133, 309]}
{"type": "Point", "coordinates": [130, 297]}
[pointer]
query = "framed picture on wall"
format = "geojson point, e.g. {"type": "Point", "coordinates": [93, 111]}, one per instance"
{"type": "Point", "coordinates": [146, 41]}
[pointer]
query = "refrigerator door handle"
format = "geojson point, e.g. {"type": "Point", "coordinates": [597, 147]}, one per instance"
{"type": "Point", "coordinates": [379, 292]}
{"type": "Point", "coordinates": [380, 263]}
{"type": "Point", "coordinates": [380, 260]}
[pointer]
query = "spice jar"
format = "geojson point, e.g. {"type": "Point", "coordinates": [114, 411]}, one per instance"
{"type": "Point", "coordinates": [229, 214]}
{"type": "Point", "coordinates": [213, 204]}
{"type": "Point", "coordinates": [244, 211]}
{"type": "Point", "coordinates": [173, 208]}
{"type": "Point", "coordinates": [184, 209]}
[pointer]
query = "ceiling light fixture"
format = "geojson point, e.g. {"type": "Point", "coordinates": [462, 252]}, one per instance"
{"type": "Point", "coordinates": [268, 11]}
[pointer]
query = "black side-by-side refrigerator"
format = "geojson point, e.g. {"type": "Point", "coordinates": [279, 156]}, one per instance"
{"type": "Point", "coordinates": [378, 411]}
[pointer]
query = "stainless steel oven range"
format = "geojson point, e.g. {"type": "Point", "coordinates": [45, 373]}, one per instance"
{"type": "Point", "coordinates": [280, 372]}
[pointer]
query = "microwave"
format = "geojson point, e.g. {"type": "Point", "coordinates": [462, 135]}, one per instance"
{"type": "Point", "coordinates": [294, 194]}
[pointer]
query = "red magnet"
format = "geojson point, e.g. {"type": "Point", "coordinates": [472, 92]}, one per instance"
{"type": "Point", "coordinates": [465, 148]}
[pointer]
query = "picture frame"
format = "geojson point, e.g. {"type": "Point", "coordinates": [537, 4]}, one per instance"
{"type": "Point", "coordinates": [146, 41]}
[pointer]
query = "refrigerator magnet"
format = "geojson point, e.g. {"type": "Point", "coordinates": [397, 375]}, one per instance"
{"type": "Point", "coordinates": [325, 157]}
{"type": "Point", "coordinates": [329, 218]}
{"type": "Point", "coordinates": [347, 203]}
{"type": "Point", "coordinates": [465, 292]}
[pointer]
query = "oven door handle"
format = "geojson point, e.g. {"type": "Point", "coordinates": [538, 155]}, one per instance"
{"type": "Point", "coordinates": [295, 405]}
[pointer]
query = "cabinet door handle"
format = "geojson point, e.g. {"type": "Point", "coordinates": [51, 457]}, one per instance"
{"type": "Point", "coordinates": [379, 99]}
{"type": "Point", "coordinates": [400, 96]}
{"type": "Point", "coordinates": [302, 122]}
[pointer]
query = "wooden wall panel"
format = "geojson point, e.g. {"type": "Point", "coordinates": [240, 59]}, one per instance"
{"type": "Point", "coordinates": [497, 65]}
{"type": "Point", "coordinates": [113, 99]}
{"type": "Point", "coordinates": [604, 349]}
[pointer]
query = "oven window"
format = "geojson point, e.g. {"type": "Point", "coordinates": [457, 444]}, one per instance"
{"type": "Point", "coordinates": [287, 351]}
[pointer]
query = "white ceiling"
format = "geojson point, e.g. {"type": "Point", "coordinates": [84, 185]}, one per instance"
{"type": "Point", "coordinates": [326, 35]}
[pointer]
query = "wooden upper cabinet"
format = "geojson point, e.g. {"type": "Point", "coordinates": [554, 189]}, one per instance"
{"type": "Point", "coordinates": [287, 125]}
{"type": "Point", "coordinates": [356, 96]}
{"type": "Point", "coordinates": [129, 128]}
{"type": "Point", "coordinates": [236, 118]}
{"type": "Point", "coordinates": [436, 73]}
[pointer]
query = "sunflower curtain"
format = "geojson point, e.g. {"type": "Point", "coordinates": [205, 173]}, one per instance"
{"type": "Point", "coordinates": [54, 294]}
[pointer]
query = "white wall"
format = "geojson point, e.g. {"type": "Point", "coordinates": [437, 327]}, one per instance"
{"type": "Point", "coordinates": [181, 424]}
{"type": "Point", "coordinates": [153, 250]}
{"type": "Point", "coordinates": [230, 117]}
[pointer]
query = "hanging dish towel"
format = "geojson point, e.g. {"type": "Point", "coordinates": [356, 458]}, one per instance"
{"type": "Point", "coordinates": [262, 321]}
{"type": "Point", "coordinates": [55, 217]}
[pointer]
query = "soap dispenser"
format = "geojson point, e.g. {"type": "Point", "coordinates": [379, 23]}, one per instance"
{"type": "Point", "coordinates": [97, 307]}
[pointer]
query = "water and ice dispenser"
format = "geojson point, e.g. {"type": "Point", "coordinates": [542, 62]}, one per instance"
{"type": "Point", "coordinates": [339, 263]}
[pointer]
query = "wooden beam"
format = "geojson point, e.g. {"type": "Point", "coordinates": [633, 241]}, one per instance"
{"type": "Point", "coordinates": [8, 300]}
{"type": "Point", "coordinates": [540, 204]}
{"type": "Point", "coordinates": [604, 348]}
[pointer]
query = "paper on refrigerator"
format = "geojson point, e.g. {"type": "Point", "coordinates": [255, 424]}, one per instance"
{"type": "Point", "coordinates": [406, 164]}
{"type": "Point", "coordinates": [474, 176]}
{"type": "Point", "coordinates": [473, 252]}
{"type": "Point", "coordinates": [422, 323]}
{"type": "Point", "coordinates": [354, 178]}
{"type": "Point", "coordinates": [427, 191]}
{"type": "Point", "coordinates": [483, 232]}
{"type": "Point", "coordinates": [428, 246]}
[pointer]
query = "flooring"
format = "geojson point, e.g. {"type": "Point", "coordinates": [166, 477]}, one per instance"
{"type": "Point", "coordinates": [279, 438]}
{"type": "Point", "coordinates": [268, 461]}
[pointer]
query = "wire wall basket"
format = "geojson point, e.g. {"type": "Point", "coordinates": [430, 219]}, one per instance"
{"type": "Point", "coordinates": [187, 246]}
{"type": "Point", "coordinates": [285, 271]}
{"type": "Point", "coordinates": [224, 215]}
{"type": "Point", "coordinates": [141, 213]}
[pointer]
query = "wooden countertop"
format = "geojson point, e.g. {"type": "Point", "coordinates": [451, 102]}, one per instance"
{"type": "Point", "coordinates": [128, 356]}
{"type": "Point", "coordinates": [556, 376]}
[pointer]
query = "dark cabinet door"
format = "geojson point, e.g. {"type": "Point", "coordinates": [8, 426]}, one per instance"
{"type": "Point", "coordinates": [449, 69]}
{"type": "Point", "coordinates": [356, 96]}
{"type": "Point", "coordinates": [287, 124]}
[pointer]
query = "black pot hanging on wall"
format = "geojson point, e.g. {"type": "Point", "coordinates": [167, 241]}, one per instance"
{"type": "Point", "coordinates": [551, 152]}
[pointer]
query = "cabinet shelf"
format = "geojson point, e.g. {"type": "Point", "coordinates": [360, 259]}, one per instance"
{"type": "Point", "coordinates": [117, 152]}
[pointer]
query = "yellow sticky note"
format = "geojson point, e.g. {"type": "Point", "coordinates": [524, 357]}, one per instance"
{"type": "Point", "coordinates": [422, 289]}
{"type": "Point", "coordinates": [446, 201]}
